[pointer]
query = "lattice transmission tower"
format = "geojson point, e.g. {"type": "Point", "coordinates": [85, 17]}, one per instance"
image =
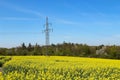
{"type": "Point", "coordinates": [47, 34]}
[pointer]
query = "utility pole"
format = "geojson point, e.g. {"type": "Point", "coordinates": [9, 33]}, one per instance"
{"type": "Point", "coordinates": [47, 34]}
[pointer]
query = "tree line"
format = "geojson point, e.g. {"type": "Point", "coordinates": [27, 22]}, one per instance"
{"type": "Point", "coordinates": [65, 49]}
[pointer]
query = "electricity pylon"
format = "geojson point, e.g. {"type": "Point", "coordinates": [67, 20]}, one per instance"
{"type": "Point", "coordinates": [47, 34]}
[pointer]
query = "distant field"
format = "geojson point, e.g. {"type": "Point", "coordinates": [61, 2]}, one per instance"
{"type": "Point", "coordinates": [60, 68]}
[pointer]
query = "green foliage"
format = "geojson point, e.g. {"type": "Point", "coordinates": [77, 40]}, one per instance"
{"type": "Point", "coordinates": [1, 62]}
{"type": "Point", "coordinates": [64, 49]}
{"type": "Point", "coordinates": [4, 59]}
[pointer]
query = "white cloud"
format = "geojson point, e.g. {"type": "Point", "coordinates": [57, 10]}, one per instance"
{"type": "Point", "coordinates": [63, 21]}
{"type": "Point", "coordinates": [17, 18]}
{"type": "Point", "coordinates": [21, 9]}
{"type": "Point", "coordinates": [55, 19]}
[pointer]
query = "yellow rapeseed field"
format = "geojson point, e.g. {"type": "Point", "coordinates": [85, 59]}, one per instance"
{"type": "Point", "coordinates": [60, 68]}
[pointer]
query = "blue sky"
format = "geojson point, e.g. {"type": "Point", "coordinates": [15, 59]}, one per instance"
{"type": "Point", "coordinates": [91, 22]}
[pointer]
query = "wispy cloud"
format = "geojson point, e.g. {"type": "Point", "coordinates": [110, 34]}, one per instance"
{"type": "Point", "coordinates": [55, 19]}
{"type": "Point", "coordinates": [94, 11]}
{"type": "Point", "coordinates": [86, 5]}
{"type": "Point", "coordinates": [21, 33]}
{"type": "Point", "coordinates": [21, 9]}
{"type": "Point", "coordinates": [29, 11]}
{"type": "Point", "coordinates": [85, 24]}
{"type": "Point", "coordinates": [17, 18]}
{"type": "Point", "coordinates": [64, 21]}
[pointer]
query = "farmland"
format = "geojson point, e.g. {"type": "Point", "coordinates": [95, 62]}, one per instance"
{"type": "Point", "coordinates": [60, 68]}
